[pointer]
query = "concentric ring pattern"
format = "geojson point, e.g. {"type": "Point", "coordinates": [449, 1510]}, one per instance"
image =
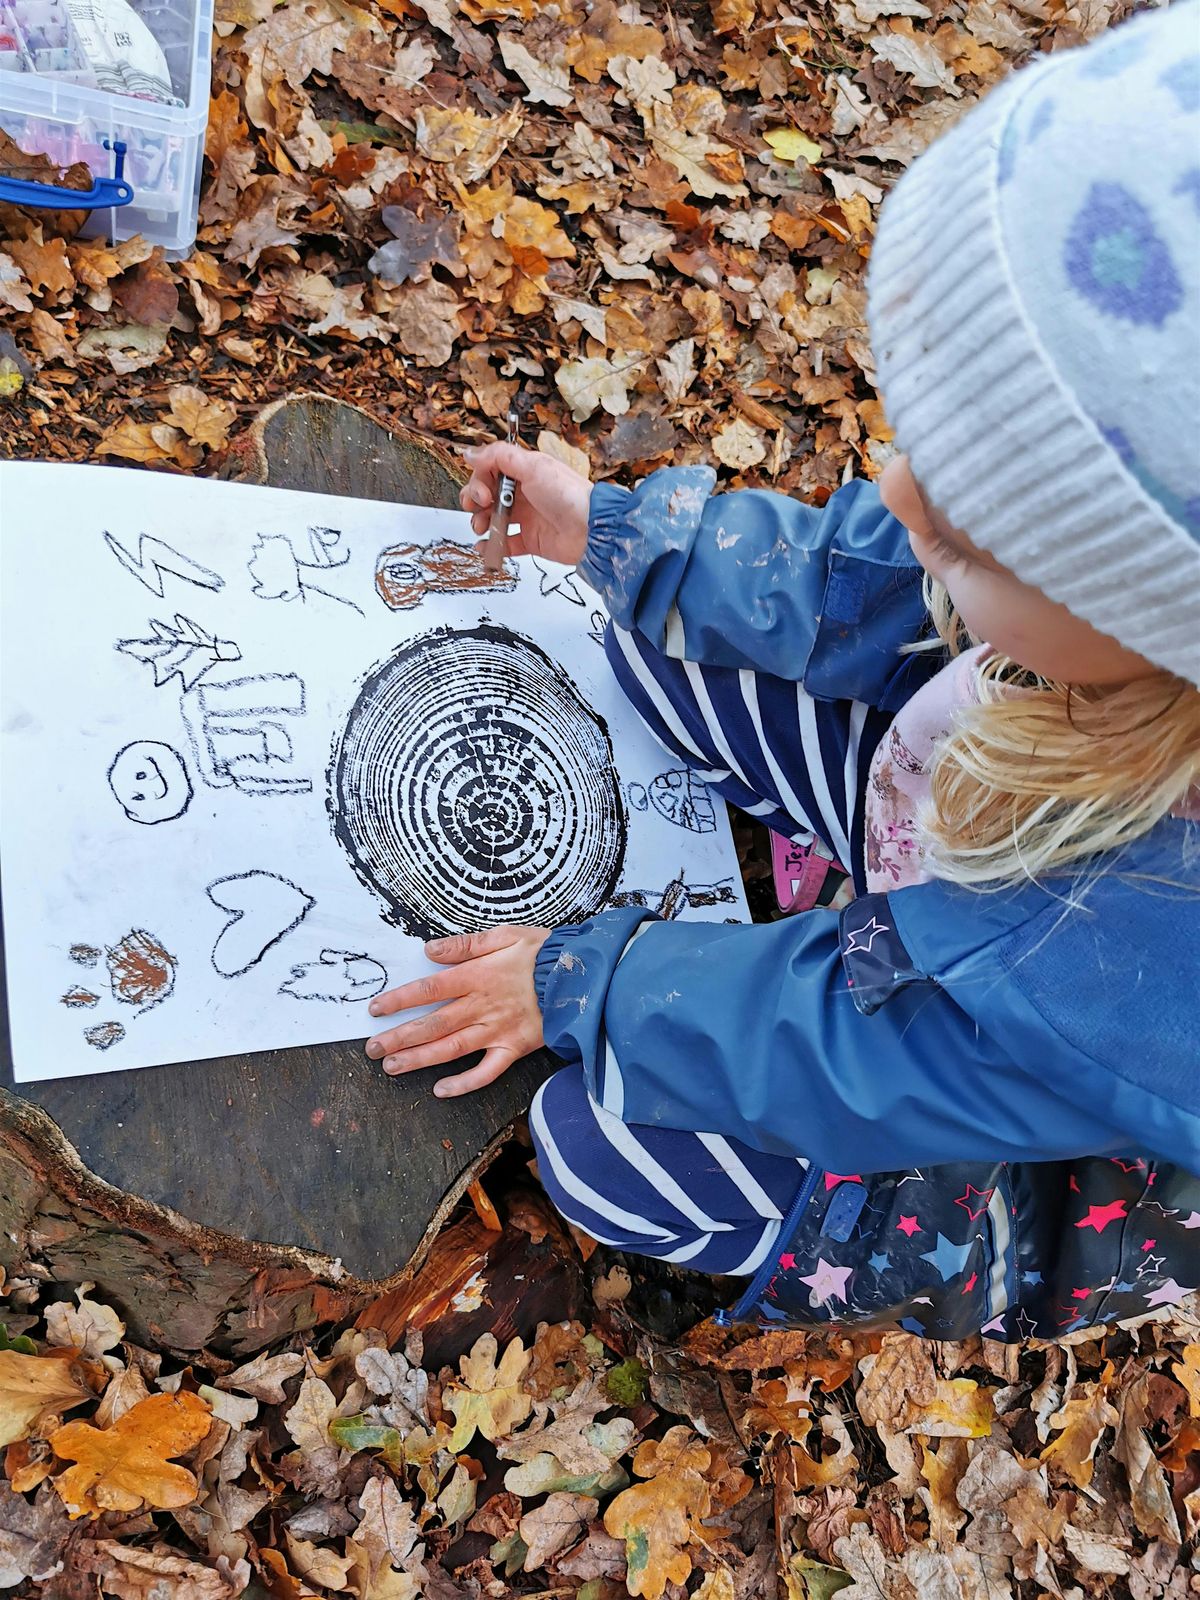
{"type": "Point", "coordinates": [473, 786]}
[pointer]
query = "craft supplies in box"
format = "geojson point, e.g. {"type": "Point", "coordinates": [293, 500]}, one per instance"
{"type": "Point", "coordinates": [120, 85]}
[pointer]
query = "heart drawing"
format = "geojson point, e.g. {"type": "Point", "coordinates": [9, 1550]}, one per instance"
{"type": "Point", "coordinates": [263, 909]}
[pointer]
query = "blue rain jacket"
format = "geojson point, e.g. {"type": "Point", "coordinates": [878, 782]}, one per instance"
{"type": "Point", "coordinates": [1034, 1046]}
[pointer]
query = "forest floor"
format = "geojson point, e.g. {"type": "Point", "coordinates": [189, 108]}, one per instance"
{"type": "Point", "coordinates": [654, 224]}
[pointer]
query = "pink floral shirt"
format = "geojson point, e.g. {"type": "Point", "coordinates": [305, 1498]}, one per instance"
{"type": "Point", "coordinates": [899, 783]}
{"type": "Point", "coordinates": [898, 787]}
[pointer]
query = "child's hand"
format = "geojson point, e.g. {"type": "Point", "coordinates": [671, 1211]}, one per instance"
{"type": "Point", "coordinates": [488, 1003]}
{"type": "Point", "coordinates": [551, 504]}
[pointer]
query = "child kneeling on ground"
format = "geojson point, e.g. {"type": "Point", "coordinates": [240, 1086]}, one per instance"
{"type": "Point", "coordinates": [975, 1106]}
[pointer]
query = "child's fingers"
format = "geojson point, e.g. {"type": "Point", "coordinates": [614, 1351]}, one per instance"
{"type": "Point", "coordinates": [490, 460]}
{"type": "Point", "coordinates": [467, 946]}
{"type": "Point", "coordinates": [437, 1024]}
{"type": "Point", "coordinates": [475, 495]}
{"type": "Point", "coordinates": [428, 991]}
{"type": "Point", "coordinates": [496, 1061]}
{"type": "Point", "coordinates": [464, 1042]}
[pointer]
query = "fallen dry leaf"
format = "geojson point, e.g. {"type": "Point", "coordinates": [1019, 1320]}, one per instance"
{"type": "Point", "coordinates": [91, 1327]}
{"type": "Point", "coordinates": [33, 1388]}
{"type": "Point", "coordinates": [129, 1465]}
{"type": "Point", "coordinates": [490, 1398]}
{"type": "Point", "coordinates": [264, 1377]}
{"type": "Point", "coordinates": [554, 1526]}
{"type": "Point", "coordinates": [32, 1536]}
{"type": "Point", "coordinates": [129, 1573]}
{"type": "Point", "coordinates": [205, 422]}
{"type": "Point", "coordinates": [661, 1518]}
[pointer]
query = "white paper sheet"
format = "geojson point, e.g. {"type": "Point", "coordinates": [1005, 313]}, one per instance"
{"type": "Point", "coordinates": [254, 741]}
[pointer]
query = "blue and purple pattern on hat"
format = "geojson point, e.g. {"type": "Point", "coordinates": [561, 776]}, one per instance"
{"type": "Point", "coordinates": [1183, 80]}
{"type": "Point", "coordinates": [1117, 261]}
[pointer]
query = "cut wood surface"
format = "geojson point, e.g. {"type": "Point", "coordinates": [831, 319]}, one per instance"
{"type": "Point", "coordinates": [224, 1203]}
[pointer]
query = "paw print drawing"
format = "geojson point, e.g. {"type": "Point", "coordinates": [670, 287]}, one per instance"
{"type": "Point", "coordinates": [137, 971]}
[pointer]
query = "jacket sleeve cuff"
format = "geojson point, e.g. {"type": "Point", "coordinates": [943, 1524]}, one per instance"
{"type": "Point", "coordinates": [547, 959]}
{"type": "Point", "coordinates": [571, 976]}
{"type": "Point", "coordinates": [606, 515]}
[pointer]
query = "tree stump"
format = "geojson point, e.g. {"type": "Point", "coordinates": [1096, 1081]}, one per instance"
{"type": "Point", "coordinates": [221, 1205]}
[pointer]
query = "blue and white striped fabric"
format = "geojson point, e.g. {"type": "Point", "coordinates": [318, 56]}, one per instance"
{"type": "Point", "coordinates": [695, 1198]}
{"type": "Point", "coordinates": [801, 766]}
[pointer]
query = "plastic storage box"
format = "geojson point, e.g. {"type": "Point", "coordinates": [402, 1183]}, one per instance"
{"type": "Point", "coordinates": [75, 86]}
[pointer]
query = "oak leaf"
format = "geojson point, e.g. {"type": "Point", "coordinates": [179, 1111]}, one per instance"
{"type": "Point", "coordinates": [688, 147]}
{"type": "Point", "coordinates": [91, 1327]}
{"type": "Point", "coordinates": [544, 1473]}
{"type": "Point", "coordinates": [425, 319]}
{"type": "Point", "coordinates": [128, 348]}
{"type": "Point", "coordinates": [535, 236]}
{"type": "Point", "coordinates": [554, 1526]}
{"type": "Point", "coordinates": [264, 1377]}
{"type": "Point", "coordinates": [310, 1415]}
{"type": "Point", "coordinates": [14, 290]}
{"type": "Point", "coordinates": [148, 295]}
{"type": "Point", "coordinates": [318, 1563]}
{"type": "Point", "coordinates": [555, 1349]}
{"type": "Point", "coordinates": [546, 82]}
{"type": "Point", "coordinates": [299, 39]}
{"type": "Point", "coordinates": [595, 381]}
{"type": "Point", "coordinates": [660, 1518]}
{"type": "Point", "coordinates": [32, 1536]}
{"type": "Point", "coordinates": [606, 35]}
{"type": "Point", "coordinates": [33, 1388]}
{"type": "Point", "coordinates": [129, 1572]}
{"type": "Point", "coordinates": [44, 264]}
{"type": "Point", "coordinates": [129, 1465]}
{"type": "Point", "coordinates": [124, 1392]}
{"type": "Point", "coordinates": [466, 143]}
{"type": "Point", "coordinates": [738, 445]}
{"type": "Point", "coordinates": [490, 1398]}
{"type": "Point", "coordinates": [915, 54]}
{"type": "Point", "coordinates": [146, 442]}
{"type": "Point", "coordinates": [566, 1438]}
{"type": "Point", "coordinates": [387, 1532]}
{"type": "Point", "coordinates": [1081, 1420]}
{"type": "Point", "coordinates": [47, 333]}
{"type": "Point", "coordinates": [417, 246]}
{"type": "Point", "coordinates": [205, 422]}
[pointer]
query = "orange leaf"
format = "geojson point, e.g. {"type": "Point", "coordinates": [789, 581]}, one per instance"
{"type": "Point", "coordinates": [659, 1519]}
{"type": "Point", "coordinates": [45, 265]}
{"type": "Point", "coordinates": [1188, 1373]}
{"type": "Point", "coordinates": [128, 1466]}
{"type": "Point", "coordinates": [1082, 1421]}
{"type": "Point", "coordinates": [33, 1387]}
{"type": "Point", "coordinates": [137, 441]}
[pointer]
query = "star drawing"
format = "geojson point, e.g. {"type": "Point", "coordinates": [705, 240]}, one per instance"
{"type": "Point", "coordinates": [973, 1211]}
{"type": "Point", "coordinates": [1168, 1294]}
{"type": "Point", "coordinates": [1099, 1217]}
{"type": "Point", "coordinates": [827, 1282]}
{"type": "Point", "coordinates": [872, 930]}
{"type": "Point", "coordinates": [949, 1258]}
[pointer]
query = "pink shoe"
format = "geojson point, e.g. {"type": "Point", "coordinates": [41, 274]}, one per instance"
{"type": "Point", "coordinates": [800, 872]}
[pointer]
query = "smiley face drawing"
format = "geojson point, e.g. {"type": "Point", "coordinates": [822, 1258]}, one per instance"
{"type": "Point", "coordinates": [150, 782]}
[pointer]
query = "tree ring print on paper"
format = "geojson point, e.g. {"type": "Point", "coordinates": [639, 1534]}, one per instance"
{"type": "Point", "coordinates": [473, 785]}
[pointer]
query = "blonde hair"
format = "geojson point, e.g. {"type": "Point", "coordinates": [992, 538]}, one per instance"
{"type": "Point", "coordinates": [1041, 776]}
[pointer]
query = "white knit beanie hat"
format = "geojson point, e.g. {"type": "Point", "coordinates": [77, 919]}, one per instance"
{"type": "Point", "coordinates": [1034, 301]}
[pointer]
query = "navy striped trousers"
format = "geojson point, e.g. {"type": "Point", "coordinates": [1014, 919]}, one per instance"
{"type": "Point", "coordinates": [800, 765]}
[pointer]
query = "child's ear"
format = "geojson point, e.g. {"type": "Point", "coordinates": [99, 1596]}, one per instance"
{"type": "Point", "coordinates": [899, 493]}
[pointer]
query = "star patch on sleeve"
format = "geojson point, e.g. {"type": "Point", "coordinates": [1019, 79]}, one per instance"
{"type": "Point", "coordinates": [873, 954]}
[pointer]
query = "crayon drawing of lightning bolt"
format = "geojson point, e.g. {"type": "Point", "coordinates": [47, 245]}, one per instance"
{"type": "Point", "coordinates": [155, 560]}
